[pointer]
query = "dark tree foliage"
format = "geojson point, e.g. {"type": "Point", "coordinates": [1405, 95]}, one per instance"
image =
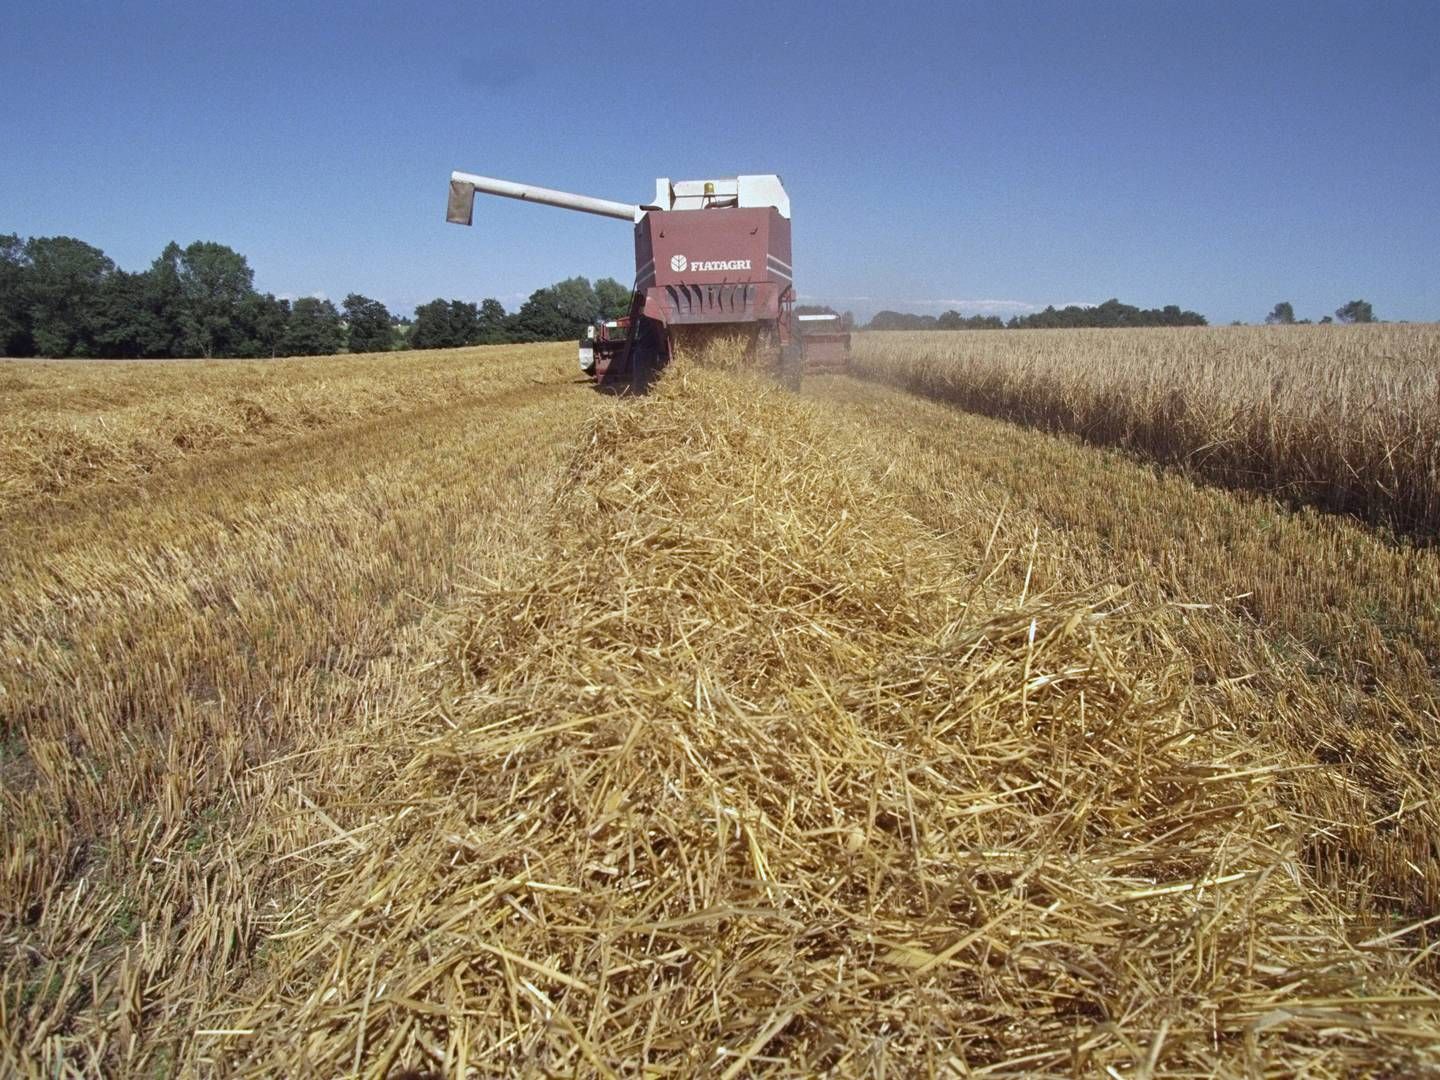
{"type": "Point", "coordinates": [163, 296]}
{"type": "Point", "coordinates": [123, 324]}
{"type": "Point", "coordinates": [448, 324]}
{"type": "Point", "coordinates": [1111, 314]}
{"type": "Point", "coordinates": [901, 320]}
{"type": "Point", "coordinates": [265, 320]}
{"type": "Point", "coordinates": [491, 323]}
{"type": "Point", "coordinates": [60, 287]}
{"type": "Point", "coordinates": [1282, 314]}
{"type": "Point", "coordinates": [612, 297]}
{"type": "Point", "coordinates": [214, 283]}
{"type": "Point", "coordinates": [61, 297]}
{"type": "Point", "coordinates": [15, 338]}
{"type": "Point", "coordinates": [432, 328]}
{"type": "Point", "coordinates": [314, 329]}
{"type": "Point", "coordinates": [367, 324]}
{"type": "Point", "coordinates": [953, 320]}
{"type": "Point", "coordinates": [1356, 311]}
{"type": "Point", "coordinates": [445, 324]}
{"type": "Point", "coordinates": [557, 312]}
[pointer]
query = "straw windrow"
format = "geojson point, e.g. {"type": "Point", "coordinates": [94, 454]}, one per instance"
{"type": "Point", "coordinates": [744, 770]}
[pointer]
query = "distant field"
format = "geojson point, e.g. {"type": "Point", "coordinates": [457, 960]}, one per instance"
{"type": "Point", "coordinates": [1344, 417]}
{"type": "Point", "coordinates": [433, 712]}
{"type": "Point", "coordinates": [68, 424]}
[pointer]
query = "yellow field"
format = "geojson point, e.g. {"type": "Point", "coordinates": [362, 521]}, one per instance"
{"type": "Point", "coordinates": [1347, 418]}
{"type": "Point", "coordinates": [475, 721]}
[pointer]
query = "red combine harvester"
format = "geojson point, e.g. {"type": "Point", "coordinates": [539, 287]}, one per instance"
{"type": "Point", "coordinates": [707, 253]}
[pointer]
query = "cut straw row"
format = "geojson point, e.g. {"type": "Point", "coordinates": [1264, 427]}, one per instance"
{"type": "Point", "coordinates": [743, 771]}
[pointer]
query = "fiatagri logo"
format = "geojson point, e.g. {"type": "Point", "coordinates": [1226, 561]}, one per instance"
{"type": "Point", "coordinates": [679, 263]}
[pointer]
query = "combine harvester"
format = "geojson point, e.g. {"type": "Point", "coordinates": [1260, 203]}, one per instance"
{"type": "Point", "coordinates": [708, 253]}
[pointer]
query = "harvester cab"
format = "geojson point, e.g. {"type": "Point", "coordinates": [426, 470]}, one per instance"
{"type": "Point", "coordinates": [708, 253]}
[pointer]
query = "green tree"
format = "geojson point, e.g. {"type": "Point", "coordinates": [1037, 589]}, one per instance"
{"type": "Point", "coordinates": [264, 320]}
{"type": "Point", "coordinates": [558, 312]}
{"type": "Point", "coordinates": [314, 328]}
{"type": "Point", "coordinates": [163, 298]}
{"type": "Point", "coordinates": [15, 339]}
{"type": "Point", "coordinates": [139, 315]}
{"type": "Point", "coordinates": [60, 288]}
{"type": "Point", "coordinates": [1112, 313]}
{"type": "Point", "coordinates": [432, 328]}
{"type": "Point", "coordinates": [901, 320]}
{"type": "Point", "coordinates": [123, 322]}
{"type": "Point", "coordinates": [210, 283]}
{"type": "Point", "coordinates": [949, 320]}
{"type": "Point", "coordinates": [1282, 314]}
{"type": "Point", "coordinates": [368, 324]}
{"type": "Point", "coordinates": [1356, 311]}
{"type": "Point", "coordinates": [576, 301]}
{"type": "Point", "coordinates": [491, 326]}
{"type": "Point", "coordinates": [612, 298]}
{"type": "Point", "coordinates": [448, 324]}
{"type": "Point", "coordinates": [464, 322]}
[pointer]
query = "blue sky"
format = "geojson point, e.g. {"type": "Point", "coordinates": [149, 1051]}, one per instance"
{"type": "Point", "coordinates": [979, 156]}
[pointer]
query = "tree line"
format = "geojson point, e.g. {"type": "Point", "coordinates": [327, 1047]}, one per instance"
{"type": "Point", "coordinates": [1356, 311]}
{"type": "Point", "coordinates": [62, 297]}
{"type": "Point", "coordinates": [1111, 314]}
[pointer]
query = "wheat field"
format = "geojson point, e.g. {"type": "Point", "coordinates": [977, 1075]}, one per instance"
{"type": "Point", "coordinates": [456, 720]}
{"type": "Point", "coordinates": [1345, 418]}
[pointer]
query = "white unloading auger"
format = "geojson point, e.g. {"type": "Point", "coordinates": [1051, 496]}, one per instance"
{"type": "Point", "coordinates": [463, 187]}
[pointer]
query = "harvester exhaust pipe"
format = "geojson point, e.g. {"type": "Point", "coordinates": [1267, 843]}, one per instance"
{"type": "Point", "coordinates": [463, 187]}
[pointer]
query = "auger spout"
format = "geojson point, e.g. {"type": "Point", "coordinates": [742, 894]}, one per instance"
{"type": "Point", "coordinates": [463, 187]}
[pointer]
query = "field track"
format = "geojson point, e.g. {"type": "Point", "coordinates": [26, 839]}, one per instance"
{"type": "Point", "coordinates": [318, 732]}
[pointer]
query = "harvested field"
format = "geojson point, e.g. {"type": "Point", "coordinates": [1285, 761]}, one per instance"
{"type": "Point", "coordinates": [1345, 418]}
{"type": "Point", "coordinates": [65, 426]}
{"type": "Point", "coordinates": [170, 645]}
{"type": "Point", "coordinates": [719, 732]}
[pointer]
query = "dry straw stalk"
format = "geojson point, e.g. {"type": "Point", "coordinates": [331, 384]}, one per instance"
{"type": "Point", "coordinates": [746, 773]}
